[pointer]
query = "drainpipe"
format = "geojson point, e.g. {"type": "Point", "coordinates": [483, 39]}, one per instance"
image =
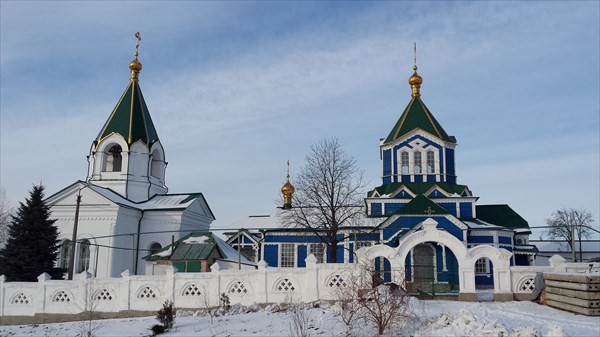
{"type": "Point", "coordinates": [137, 248]}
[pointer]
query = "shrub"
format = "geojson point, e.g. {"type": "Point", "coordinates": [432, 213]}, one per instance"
{"type": "Point", "coordinates": [157, 329]}
{"type": "Point", "coordinates": [166, 315]}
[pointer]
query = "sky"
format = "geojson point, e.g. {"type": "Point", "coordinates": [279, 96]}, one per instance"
{"type": "Point", "coordinates": [235, 89]}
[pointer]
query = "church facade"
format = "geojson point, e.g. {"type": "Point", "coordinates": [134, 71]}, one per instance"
{"type": "Point", "coordinates": [121, 212]}
{"type": "Point", "coordinates": [419, 185]}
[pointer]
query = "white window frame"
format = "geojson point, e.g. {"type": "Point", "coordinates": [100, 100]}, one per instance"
{"type": "Point", "coordinates": [404, 162]}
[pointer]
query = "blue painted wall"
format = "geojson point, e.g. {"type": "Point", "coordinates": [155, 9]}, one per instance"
{"type": "Point", "coordinates": [480, 239]}
{"type": "Point", "coordinates": [271, 255]}
{"type": "Point", "coordinates": [450, 207]}
{"type": "Point", "coordinates": [505, 239]}
{"type": "Point", "coordinates": [301, 256]}
{"type": "Point", "coordinates": [466, 210]}
{"type": "Point", "coordinates": [376, 208]}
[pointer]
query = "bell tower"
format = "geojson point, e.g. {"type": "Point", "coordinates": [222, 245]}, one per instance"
{"type": "Point", "coordinates": [127, 156]}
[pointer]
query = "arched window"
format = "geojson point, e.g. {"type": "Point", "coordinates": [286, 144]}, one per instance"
{"type": "Point", "coordinates": [481, 266]}
{"type": "Point", "coordinates": [417, 162]}
{"type": "Point", "coordinates": [404, 162]}
{"type": "Point", "coordinates": [113, 159]}
{"type": "Point", "coordinates": [65, 254]}
{"type": "Point", "coordinates": [430, 162]}
{"type": "Point", "coordinates": [84, 256]}
{"type": "Point", "coordinates": [154, 247]}
{"type": "Point", "coordinates": [155, 166]}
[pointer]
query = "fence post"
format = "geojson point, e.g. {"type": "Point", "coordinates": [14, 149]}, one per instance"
{"type": "Point", "coordinates": [42, 289]}
{"type": "Point", "coordinates": [170, 272]}
{"type": "Point", "coordinates": [262, 293]}
{"type": "Point", "coordinates": [311, 279]}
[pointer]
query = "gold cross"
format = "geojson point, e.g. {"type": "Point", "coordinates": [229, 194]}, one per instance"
{"type": "Point", "coordinates": [138, 38]}
{"type": "Point", "coordinates": [429, 211]}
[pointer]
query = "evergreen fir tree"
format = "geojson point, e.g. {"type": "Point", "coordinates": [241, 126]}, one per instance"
{"type": "Point", "coordinates": [32, 245]}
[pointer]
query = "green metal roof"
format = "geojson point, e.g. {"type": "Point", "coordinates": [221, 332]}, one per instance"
{"type": "Point", "coordinates": [130, 118]}
{"type": "Point", "coordinates": [417, 116]}
{"type": "Point", "coordinates": [421, 205]}
{"type": "Point", "coordinates": [501, 215]}
{"type": "Point", "coordinates": [419, 188]}
{"type": "Point", "coordinates": [186, 251]}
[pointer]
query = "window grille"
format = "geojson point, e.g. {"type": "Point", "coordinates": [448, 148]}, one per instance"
{"type": "Point", "coordinates": [430, 162]}
{"type": "Point", "coordinates": [318, 250]}
{"type": "Point", "coordinates": [481, 266]}
{"type": "Point", "coordinates": [417, 163]}
{"type": "Point", "coordinates": [404, 162]}
{"type": "Point", "coordinates": [287, 255]}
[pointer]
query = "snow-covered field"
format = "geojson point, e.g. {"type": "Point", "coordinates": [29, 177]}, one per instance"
{"type": "Point", "coordinates": [437, 318]}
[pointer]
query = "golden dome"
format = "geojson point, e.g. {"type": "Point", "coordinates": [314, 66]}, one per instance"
{"type": "Point", "coordinates": [135, 67]}
{"type": "Point", "coordinates": [288, 188]}
{"type": "Point", "coordinates": [415, 82]}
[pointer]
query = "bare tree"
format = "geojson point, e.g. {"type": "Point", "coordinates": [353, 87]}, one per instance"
{"type": "Point", "coordinates": [329, 194]}
{"type": "Point", "coordinates": [570, 224]}
{"type": "Point", "coordinates": [5, 212]}
{"type": "Point", "coordinates": [360, 299]}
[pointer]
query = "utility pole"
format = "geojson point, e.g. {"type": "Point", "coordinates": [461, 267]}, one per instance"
{"type": "Point", "coordinates": [74, 239]}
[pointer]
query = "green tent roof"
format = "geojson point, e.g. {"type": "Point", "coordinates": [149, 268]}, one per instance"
{"type": "Point", "coordinates": [501, 215]}
{"type": "Point", "coordinates": [417, 116]}
{"type": "Point", "coordinates": [419, 188]}
{"type": "Point", "coordinates": [130, 118]}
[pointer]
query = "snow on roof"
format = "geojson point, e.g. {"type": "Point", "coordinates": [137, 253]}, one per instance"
{"type": "Point", "coordinates": [555, 246]}
{"type": "Point", "coordinates": [275, 220]}
{"type": "Point", "coordinates": [161, 201]}
{"type": "Point", "coordinates": [480, 224]}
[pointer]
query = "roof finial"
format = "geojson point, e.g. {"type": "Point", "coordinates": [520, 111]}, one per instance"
{"type": "Point", "coordinates": [415, 80]}
{"type": "Point", "coordinates": [135, 65]}
{"type": "Point", "coordinates": [415, 54]}
{"type": "Point", "coordinates": [287, 189]}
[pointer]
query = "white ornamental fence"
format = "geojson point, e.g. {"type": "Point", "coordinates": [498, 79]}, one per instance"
{"type": "Point", "coordinates": [200, 290]}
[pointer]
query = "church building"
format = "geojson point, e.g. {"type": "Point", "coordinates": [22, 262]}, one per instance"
{"type": "Point", "coordinates": [419, 184]}
{"type": "Point", "coordinates": [122, 211]}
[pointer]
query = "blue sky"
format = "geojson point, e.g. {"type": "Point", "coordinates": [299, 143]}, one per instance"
{"type": "Point", "coordinates": [236, 89]}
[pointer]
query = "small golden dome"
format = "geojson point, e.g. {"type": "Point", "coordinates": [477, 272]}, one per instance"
{"type": "Point", "coordinates": [415, 82]}
{"type": "Point", "coordinates": [415, 79]}
{"type": "Point", "coordinates": [135, 65]}
{"type": "Point", "coordinates": [288, 188]}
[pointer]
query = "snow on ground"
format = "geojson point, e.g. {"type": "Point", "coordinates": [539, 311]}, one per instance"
{"type": "Point", "coordinates": [437, 318]}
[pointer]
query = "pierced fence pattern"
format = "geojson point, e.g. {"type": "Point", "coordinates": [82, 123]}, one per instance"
{"type": "Point", "coordinates": [61, 297]}
{"type": "Point", "coordinates": [285, 286]}
{"type": "Point", "coordinates": [147, 293]}
{"type": "Point", "coordinates": [238, 288]}
{"type": "Point", "coordinates": [527, 285]}
{"type": "Point", "coordinates": [104, 295]}
{"type": "Point", "coordinates": [191, 290]}
{"type": "Point", "coordinates": [21, 299]}
{"type": "Point", "coordinates": [337, 281]}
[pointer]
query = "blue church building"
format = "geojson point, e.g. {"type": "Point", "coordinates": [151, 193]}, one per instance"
{"type": "Point", "coordinates": [418, 182]}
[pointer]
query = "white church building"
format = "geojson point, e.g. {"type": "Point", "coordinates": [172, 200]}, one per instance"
{"type": "Point", "coordinates": [124, 211]}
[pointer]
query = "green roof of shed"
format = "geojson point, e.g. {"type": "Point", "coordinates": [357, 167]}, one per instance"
{"type": "Point", "coordinates": [130, 118]}
{"type": "Point", "coordinates": [417, 116]}
{"type": "Point", "coordinates": [501, 215]}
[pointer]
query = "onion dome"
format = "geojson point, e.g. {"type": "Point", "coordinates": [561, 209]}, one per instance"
{"type": "Point", "coordinates": [288, 190]}
{"type": "Point", "coordinates": [415, 82]}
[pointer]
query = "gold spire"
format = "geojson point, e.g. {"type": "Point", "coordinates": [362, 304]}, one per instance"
{"type": "Point", "coordinates": [287, 189]}
{"type": "Point", "coordinates": [415, 80]}
{"type": "Point", "coordinates": [135, 65]}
